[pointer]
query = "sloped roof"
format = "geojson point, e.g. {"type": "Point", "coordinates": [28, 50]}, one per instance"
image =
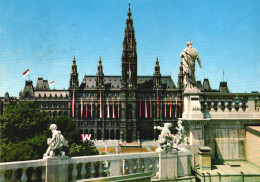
{"type": "Point", "coordinates": [89, 82]}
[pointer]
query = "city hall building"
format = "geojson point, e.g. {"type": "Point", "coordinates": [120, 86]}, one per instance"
{"type": "Point", "coordinates": [125, 107]}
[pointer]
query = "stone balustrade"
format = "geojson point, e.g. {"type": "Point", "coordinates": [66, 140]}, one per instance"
{"type": "Point", "coordinates": [82, 167]}
{"type": "Point", "coordinates": [62, 169]}
{"type": "Point", "coordinates": [13, 171]}
{"type": "Point", "coordinates": [221, 106]}
{"type": "Point", "coordinates": [113, 165]}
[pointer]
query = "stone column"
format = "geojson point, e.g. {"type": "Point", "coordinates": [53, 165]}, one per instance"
{"type": "Point", "coordinates": [205, 158]}
{"type": "Point", "coordinates": [56, 169]}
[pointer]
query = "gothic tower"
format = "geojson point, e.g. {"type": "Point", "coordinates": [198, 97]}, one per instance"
{"type": "Point", "coordinates": [157, 82]}
{"type": "Point", "coordinates": [100, 75]}
{"type": "Point", "coordinates": [74, 81]}
{"type": "Point", "coordinates": [129, 56]}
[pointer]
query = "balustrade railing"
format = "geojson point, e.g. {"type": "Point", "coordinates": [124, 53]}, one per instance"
{"type": "Point", "coordinates": [113, 165]}
{"type": "Point", "coordinates": [232, 106]}
{"type": "Point", "coordinates": [83, 167]}
{"type": "Point", "coordinates": [33, 170]}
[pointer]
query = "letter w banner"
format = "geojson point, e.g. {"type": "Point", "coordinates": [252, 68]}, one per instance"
{"type": "Point", "coordinates": [73, 95]}
{"type": "Point", "coordinates": [85, 137]}
{"type": "Point", "coordinates": [100, 104]}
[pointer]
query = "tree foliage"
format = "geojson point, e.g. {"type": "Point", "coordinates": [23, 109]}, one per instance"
{"type": "Point", "coordinates": [23, 120]}
{"type": "Point", "coordinates": [25, 129]}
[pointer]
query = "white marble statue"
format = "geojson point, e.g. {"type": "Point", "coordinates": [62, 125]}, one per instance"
{"type": "Point", "coordinates": [165, 138]}
{"type": "Point", "coordinates": [180, 137]}
{"type": "Point", "coordinates": [56, 142]}
{"type": "Point", "coordinates": [189, 55]}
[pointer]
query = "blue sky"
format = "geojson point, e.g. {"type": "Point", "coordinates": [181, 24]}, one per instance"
{"type": "Point", "coordinates": [44, 36]}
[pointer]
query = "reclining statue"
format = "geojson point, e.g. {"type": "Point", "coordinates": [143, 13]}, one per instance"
{"type": "Point", "coordinates": [56, 142]}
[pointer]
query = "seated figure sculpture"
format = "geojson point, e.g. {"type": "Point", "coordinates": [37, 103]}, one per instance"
{"type": "Point", "coordinates": [56, 142]}
{"type": "Point", "coordinates": [165, 138]}
{"type": "Point", "coordinates": [180, 137]}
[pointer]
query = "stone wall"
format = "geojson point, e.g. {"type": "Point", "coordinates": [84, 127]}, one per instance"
{"type": "Point", "coordinates": [252, 144]}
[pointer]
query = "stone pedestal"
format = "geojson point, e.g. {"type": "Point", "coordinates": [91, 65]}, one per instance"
{"type": "Point", "coordinates": [184, 162]}
{"type": "Point", "coordinates": [192, 106]}
{"type": "Point", "coordinates": [167, 165]}
{"type": "Point", "coordinates": [205, 158]}
{"type": "Point", "coordinates": [56, 169]}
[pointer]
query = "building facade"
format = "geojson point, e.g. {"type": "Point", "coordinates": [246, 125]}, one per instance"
{"type": "Point", "coordinates": [125, 107]}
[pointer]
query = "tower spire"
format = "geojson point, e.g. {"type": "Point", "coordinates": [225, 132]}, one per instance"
{"type": "Point", "coordinates": [129, 56]}
{"type": "Point", "coordinates": [100, 74]}
{"type": "Point", "coordinates": [157, 82]}
{"type": "Point", "coordinates": [74, 81]}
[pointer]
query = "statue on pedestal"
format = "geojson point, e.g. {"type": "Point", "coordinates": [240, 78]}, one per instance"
{"type": "Point", "coordinates": [188, 57]}
{"type": "Point", "coordinates": [180, 137]}
{"type": "Point", "coordinates": [165, 138]}
{"type": "Point", "coordinates": [56, 142]}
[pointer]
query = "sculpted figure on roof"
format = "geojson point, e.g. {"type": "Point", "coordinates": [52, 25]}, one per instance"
{"type": "Point", "coordinates": [189, 55]}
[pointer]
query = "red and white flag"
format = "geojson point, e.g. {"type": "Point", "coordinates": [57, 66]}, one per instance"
{"type": "Point", "coordinates": [130, 74]}
{"type": "Point", "coordinates": [113, 109]}
{"type": "Point", "coordinates": [175, 115]}
{"type": "Point", "coordinates": [81, 108]}
{"type": "Point", "coordinates": [140, 111]}
{"type": "Point", "coordinates": [157, 104]}
{"type": "Point", "coordinates": [86, 110]}
{"type": "Point", "coordinates": [52, 83]}
{"type": "Point", "coordinates": [165, 108]}
{"type": "Point", "coordinates": [91, 109]}
{"type": "Point", "coordinates": [151, 108]}
{"type": "Point", "coordinates": [100, 106]}
{"type": "Point", "coordinates": [170, 112]}
{"type": "Point", "coordinates": [108, 111]}
{"type": "Point", "coordinates": [26, 73]}
{"type": "Point", "coordinates": [118, 111]}
{"type": "Point", "coordinates": [146, 113]}
{"type": "Point", "coordinates": [73, 102]}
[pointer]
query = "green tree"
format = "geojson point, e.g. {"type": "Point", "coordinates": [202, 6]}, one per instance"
{"type": "Point", "coordinates": [25, 129]}
{"type": "Point", "coordinates": [23, 120]}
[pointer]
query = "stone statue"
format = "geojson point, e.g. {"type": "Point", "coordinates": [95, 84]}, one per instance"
{"type": "Point", "coordinates": [189, 55]}
{"type": "Point", "coordinates": [165, 138]}
{"type": "Point", "coordinates": [56, 142]}
{"type": "Point", "coordinates": [180, 137]}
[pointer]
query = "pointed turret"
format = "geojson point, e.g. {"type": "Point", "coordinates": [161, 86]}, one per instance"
{"type": "Point", "coordinates": [157, 82]}
{"type": "Point", "coordinates": [74, 81]}
{"type": "Point", "coordinates": [100, 75]}
{"type": "Point", "coordinates": [129, 56]}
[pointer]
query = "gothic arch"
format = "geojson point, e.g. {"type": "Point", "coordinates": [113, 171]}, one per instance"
{"type": "Point", "coordinates": [112, 134]}
{"type": "Point", "coordinates": [106, 134]}
{"type": "Point", "coordinates": [118, 134]}
{"type": "Point", "coordinates": [99, 134]}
